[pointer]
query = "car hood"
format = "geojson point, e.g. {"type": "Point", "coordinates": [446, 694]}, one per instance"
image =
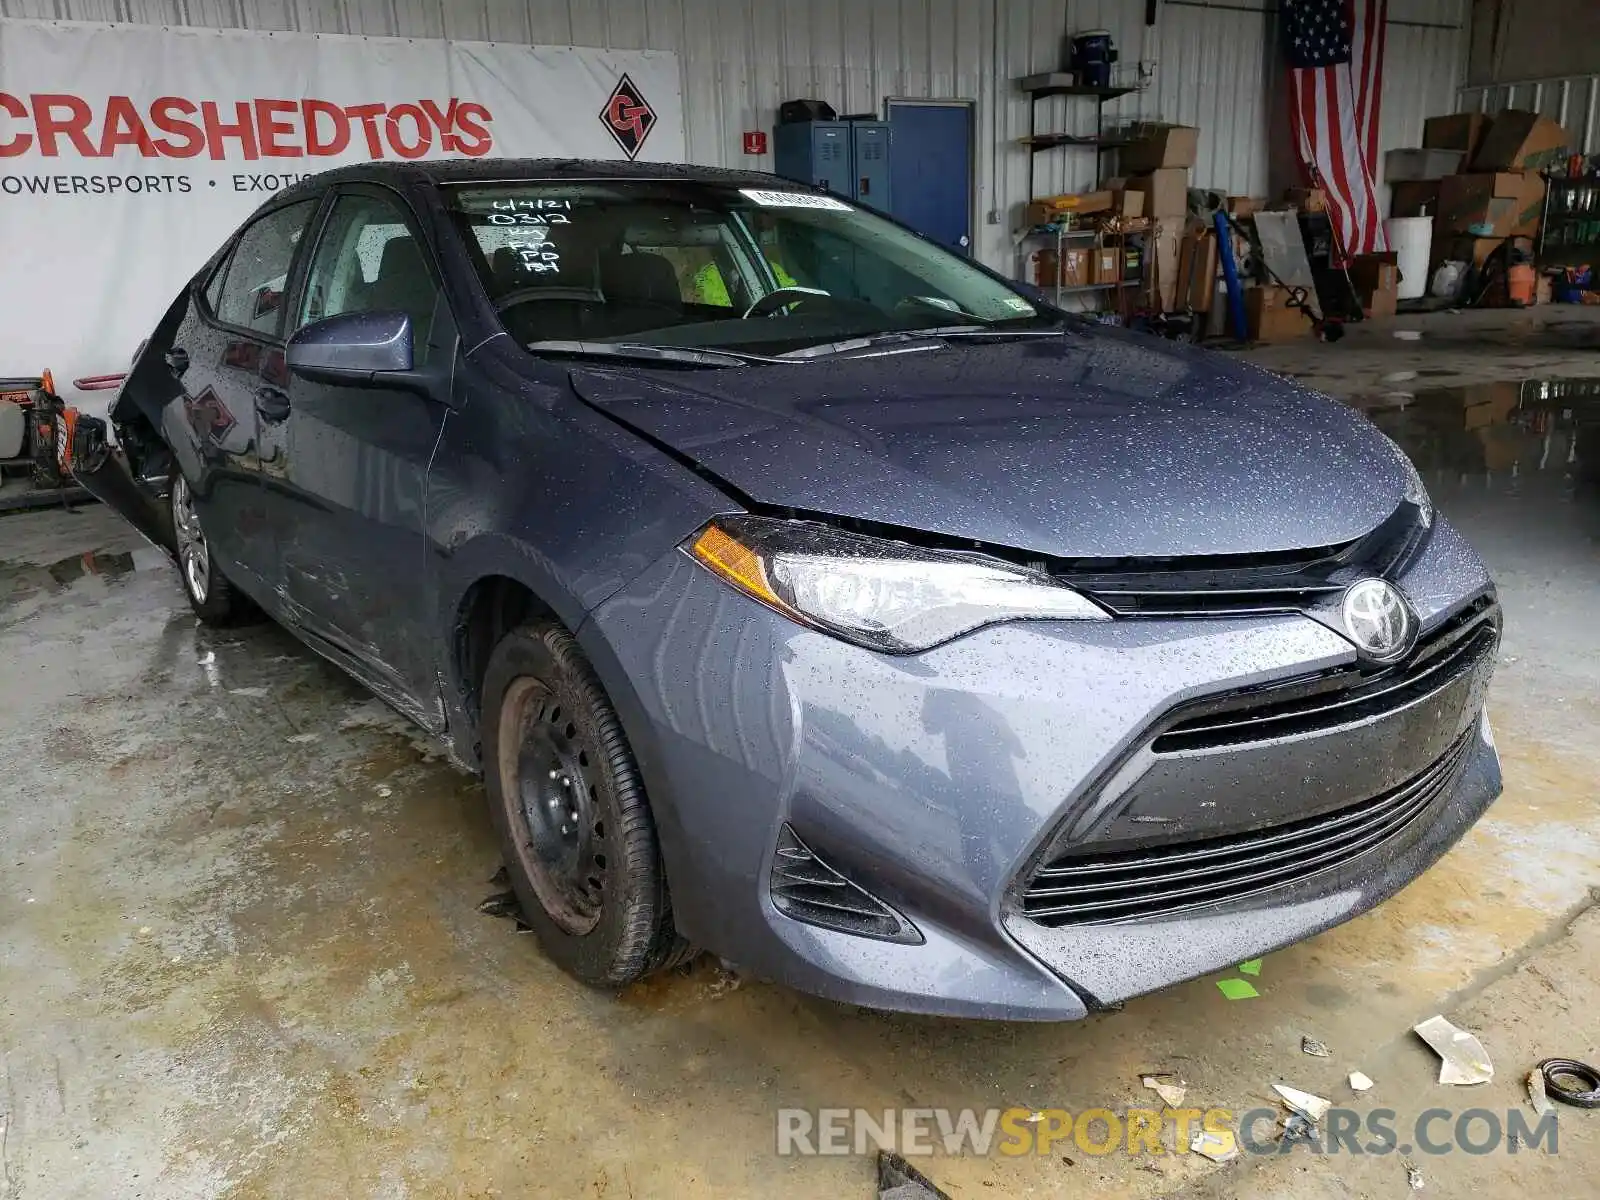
{"type": "Point", "coordinates": [1097, 444]}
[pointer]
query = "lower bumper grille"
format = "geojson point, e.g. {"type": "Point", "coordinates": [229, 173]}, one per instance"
{"type": "Point", "coordinates": [1138, 884]}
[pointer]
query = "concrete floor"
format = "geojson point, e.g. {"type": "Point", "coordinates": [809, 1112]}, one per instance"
{"type": "Point", "coordinates": [240, 953]}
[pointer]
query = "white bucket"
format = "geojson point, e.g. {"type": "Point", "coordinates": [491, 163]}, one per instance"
{"type": "Point", "coordinates": [1411, 238]}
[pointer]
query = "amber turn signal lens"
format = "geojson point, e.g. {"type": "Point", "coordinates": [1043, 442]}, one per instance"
{"type": "Point", "coordinates": [735, 562]}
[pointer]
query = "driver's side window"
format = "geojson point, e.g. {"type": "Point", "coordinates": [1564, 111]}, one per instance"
{"type": "Point", "coordinates": [368, 261]}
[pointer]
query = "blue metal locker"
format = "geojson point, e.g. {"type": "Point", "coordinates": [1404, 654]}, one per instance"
{"type": "Point", "coordinates": [850, 158]}
{"type": "Point", "coordinates": [815, 152]}
{"type": "Point", "coordinates": [870, 159]}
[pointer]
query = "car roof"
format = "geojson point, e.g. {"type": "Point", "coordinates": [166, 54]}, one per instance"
{"type": "Point", "coordinates": [490, 170]}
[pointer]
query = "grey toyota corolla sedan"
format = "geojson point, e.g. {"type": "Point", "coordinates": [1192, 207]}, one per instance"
{"type": "Point", "coordinates": [809, 595]}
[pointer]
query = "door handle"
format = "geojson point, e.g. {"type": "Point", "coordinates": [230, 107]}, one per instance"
{"type": "Point", "coordinates": [272, 405]}
{"type": "Point", "coordinates": [178, 359]}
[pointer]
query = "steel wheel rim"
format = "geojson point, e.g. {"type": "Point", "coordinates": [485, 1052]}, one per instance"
{"type": "Point", "coordinates": [194, 558]}
{"type": "Point", "coordinates": [549, 784]}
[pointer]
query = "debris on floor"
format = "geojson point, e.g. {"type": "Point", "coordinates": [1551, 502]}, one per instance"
{"type": "Point", "coordinates": [504, 903]}
{"type": "Point", "coordinates": [1312, 1107]}
{"type": "Point", "coordinates": [1236, 989]}
{"type": "Point", "coordinates": [1171, 1093]}
{"type": "Point", "coordinates": [1299, 1128]}
{"type": "Point", "coordinates": [727, 979]}
{"type": "Point", "coordinates": [1462, 1058]}
{"type": "Point", "coordinates": [1555, 1073]}
{"type": "Point", "coordinates": [1536, 1093]}
{"type": "Point", "coordinates": [1316, 1049]}
{"type": "Point", "coordinates": [1414, 1177]}
{"type": "Point", "coordinates": [899, 1180]}
{"type": "Point", "coordinates": [1359, 1082]}
{"type": "Point", "coordinates": [1218, 1146]}
{"type": "Point", "coordinates": [1253, 967]}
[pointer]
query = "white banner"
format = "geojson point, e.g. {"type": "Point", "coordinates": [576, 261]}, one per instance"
{"type": "Point", "coordinates": [128, 154]}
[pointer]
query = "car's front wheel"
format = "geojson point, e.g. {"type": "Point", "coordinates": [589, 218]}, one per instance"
{"type": "Point", "coordinates": [576, 831]}
{"type": "Point", "coordinates": [214, 600]}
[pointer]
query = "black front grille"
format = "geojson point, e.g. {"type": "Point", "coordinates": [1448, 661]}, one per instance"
{"type": "Point", "coordinates": [1249, 584]}
{"type": "Point", "coordinates": [807, 889]}
{"type": "Point", "coordinates": [1327, 699]}
{"type": "Point", "coordinates": [1138, 884]}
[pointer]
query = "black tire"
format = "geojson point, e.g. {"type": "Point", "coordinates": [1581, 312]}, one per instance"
{"type": "Point", "coordinates": [576, 832]}
{"type": "Point", "coordinates": [212, 596]}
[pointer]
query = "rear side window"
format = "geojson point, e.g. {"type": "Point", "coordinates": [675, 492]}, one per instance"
{"type": "Point", "coordinates": [256, 278]}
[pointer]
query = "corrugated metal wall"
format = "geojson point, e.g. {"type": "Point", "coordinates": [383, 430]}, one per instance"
{"type": "Point", "coordinates": [1426, 61]}
{"type": "Point", "coordinates": [1572, 102]}
{"type": "Point", "coordinates": [1214, 67]}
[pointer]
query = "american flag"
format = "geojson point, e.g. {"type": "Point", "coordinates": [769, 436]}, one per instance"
{"type": "Point", "coordinates": [1334, 50]}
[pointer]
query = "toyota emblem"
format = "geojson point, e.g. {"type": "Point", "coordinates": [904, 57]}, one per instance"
{"type": "Point", "coordinates": [1378, 620]}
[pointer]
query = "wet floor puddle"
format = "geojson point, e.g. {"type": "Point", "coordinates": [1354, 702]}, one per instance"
{"type": "Point", "coordinates": [1513, 427]}
{"type": "Point", "coordinates": [23, 578]}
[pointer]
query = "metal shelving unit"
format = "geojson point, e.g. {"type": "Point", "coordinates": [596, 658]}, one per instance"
{"type": "Point", "coordinates": [1042, 87]}
{"type": "Point", "coordinates": [1062, 237]}
{"type": "Point", "coordinates": [1569, 233]}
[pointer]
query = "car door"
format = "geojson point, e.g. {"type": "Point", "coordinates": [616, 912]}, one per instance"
{"type": "Point", "coordinates": [349, 490]}
{"type": "Point", "coordinates": [227, 353]}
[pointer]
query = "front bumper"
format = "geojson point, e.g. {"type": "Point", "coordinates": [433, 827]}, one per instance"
{"type": "Point", "coordinates": [938, 781]}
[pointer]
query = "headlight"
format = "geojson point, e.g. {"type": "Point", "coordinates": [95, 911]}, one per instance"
{"type": "Point", "coordinates": [877, 593]}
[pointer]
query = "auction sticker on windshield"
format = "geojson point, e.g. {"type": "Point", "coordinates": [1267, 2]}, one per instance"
{"type": "Point", "coordinates": [793, 200]}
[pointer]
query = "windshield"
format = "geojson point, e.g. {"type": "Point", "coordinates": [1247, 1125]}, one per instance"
{"type": "Point", "coordinates": [709, 267]}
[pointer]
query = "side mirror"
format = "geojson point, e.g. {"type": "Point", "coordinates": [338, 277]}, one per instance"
{"type": "Point", "coordinates": [352, 348]}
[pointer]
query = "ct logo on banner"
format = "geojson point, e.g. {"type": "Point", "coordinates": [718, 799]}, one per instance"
{"type": "Point", "coordinates": [628, 117]}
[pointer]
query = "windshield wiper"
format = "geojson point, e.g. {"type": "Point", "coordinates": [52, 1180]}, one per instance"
{"type": "Point", "coordinates": [897, 336]}
{"type": "Point", "coordinates": [640, 352]}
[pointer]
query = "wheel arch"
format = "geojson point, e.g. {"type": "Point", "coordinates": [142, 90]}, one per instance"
{"type": "Point", "coordinates": [498, 587]}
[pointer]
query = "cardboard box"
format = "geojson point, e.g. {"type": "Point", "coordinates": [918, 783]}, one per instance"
{"type": "Point", "coordinates": [1521, 141]}
{"type": "Point", "coordinates": [1075, 268]}
{"type": "Point", "coordinates": [1309, 200]}
{"type": "Point", "coordinates": [1382, 304]}
{"type": "Point", "coordinates": [1268, 317]}
{"type": "Point", "coordinates": [1463, 248]}
{"type": "Point", "coordinates": [1197, 269]}
{"type": "Point", "coordinates": [1460, 131]}
{"type": "Point", "coordinates": [1166, 191]}
{"type": "Point", "coordinates": [1492, 204]}
{"type": "Point", "coordinates": [1418, 198]}
{"type": "Point", "coordinates": [1051, 208]}
{"type": "Point", "coordinates": [1376, 279]}
{"type": "Point", "coordinates": [1166, 242]}
{"type": "Point", "coordinates": [1243, 206]}
{"type": "Point", "coordinates": [1370, 272]}
{"type": "Point", "coordinates": [1127, 203]}
{"type": "Point", "coordinates": [1046, 268]}
{"type": "Point", "coordinates": [1155, 146]}
{"type": "Point", "coordinates": [1402, 166]}
{"type": "Point", "coordinates": [1105, 264]}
